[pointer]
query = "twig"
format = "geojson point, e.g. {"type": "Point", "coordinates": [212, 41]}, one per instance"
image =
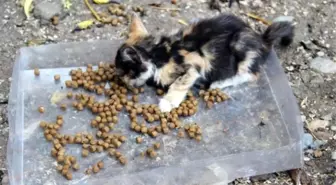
{"type": "Point", "coordinates": [94, 13]}
{"type": "Point", "coordinates": [183, 22]}
{"type": "Point", "coordinates": [256, 17]}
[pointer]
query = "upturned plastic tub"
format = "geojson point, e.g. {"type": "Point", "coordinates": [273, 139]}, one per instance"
{"type": "Point", "coordinates": [234, 143]}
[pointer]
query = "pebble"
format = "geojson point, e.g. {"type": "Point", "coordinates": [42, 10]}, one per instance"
{"type": "Point", "coordinates": [290, 68]}
{"type": "Point", "coordinates": [323, 64]}
{"type": "Point", "coordinates": [315, 124]}
{"type": "Point", "coordinates": [284, 19]}
{"type": "Point", "coordinates": [306, 158]}
{"type": "Point", "coordinates": [333, 155]}
{"type": "Point", "coordinates": [327, 117]}
{"type": "Point", "coordinates": [307, 140]}
{"type": "Point", "coordinates": [318, 143]}
{"type": "Point", "coordinates": [333, 128]}
{"type": "Point", "coordinates": [320, 53]}
{"type": "Point", "coordinates": [318, 153]}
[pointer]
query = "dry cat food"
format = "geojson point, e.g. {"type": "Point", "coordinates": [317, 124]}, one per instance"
{"type": "Point", "coordinates": [57, 77]}
{"type": "Point", "coordinates": [36, 72]}
{"type": "Point", "coordinates": [41, 109]}
{"type": "Point", "coordinates": [213, 96]}
{"type": "Point", "coordinates": [194, 131]}
{"type": "Point", "coordinates": [105, 117]}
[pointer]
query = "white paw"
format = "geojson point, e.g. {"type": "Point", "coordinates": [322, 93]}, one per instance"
{"type": "Point", "coordinates": [165, 105]}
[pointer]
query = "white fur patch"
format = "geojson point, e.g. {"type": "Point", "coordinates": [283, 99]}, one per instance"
{"type": "Point", "coordinates": [141, 80]}
{"type": "Point", "coordinates": [165, 105]}
{"type": "Point", "coordinates": [235, 80]}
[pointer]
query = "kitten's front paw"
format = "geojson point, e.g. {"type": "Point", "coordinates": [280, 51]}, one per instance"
{"type": "Point", "coordinates": [165, 105]}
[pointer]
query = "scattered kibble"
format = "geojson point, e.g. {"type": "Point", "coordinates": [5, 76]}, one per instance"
{"type": "Point", "coordinates": [57, 77]}
{"type": "Point", "coordinates": [36, 72]}
{"type": "Point", "coordinates": [139, 140]}
{"type": "Point", "coordinates": [41, 109]}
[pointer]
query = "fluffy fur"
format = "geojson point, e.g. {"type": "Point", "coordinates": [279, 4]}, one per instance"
{"type": "Point", "coordinates": [222, 51]}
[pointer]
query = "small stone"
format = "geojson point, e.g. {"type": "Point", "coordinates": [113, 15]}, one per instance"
{"type": "Point", "coordinates": [315, 124]}
{"type": "Point", "coordinates": [333, 128]}
{"type": "Point", "coordinates": [306, 158]}
{"type": "Point", "coordinates": [318, 143]}
{"type": "Point", "coordinates": [318, 153]}
{"type": "Point", "coordinates": [327, 117]}
{"type": "Point", "coordinates": [323, 64]}
{"type": "Point", "coordinates": [320, 53]}
{"type": "Point", "coordinates": [307, 140]}
{"type": "Point", "coordinates": [290, 68]}
{"type": "Point", "coordinates": [333, 155]}
{"type": "Point", "coordinates": [284, 19]}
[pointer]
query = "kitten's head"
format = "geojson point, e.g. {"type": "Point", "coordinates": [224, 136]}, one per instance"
{"type": "Point", "coordinates": [133, 59]}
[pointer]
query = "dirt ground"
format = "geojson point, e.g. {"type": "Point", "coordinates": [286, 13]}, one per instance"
{"type": "Point", "coordinates": [313, 87]}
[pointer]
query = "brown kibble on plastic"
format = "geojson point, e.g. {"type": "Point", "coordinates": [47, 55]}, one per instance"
{"type": "Point", "coordinates": [119, 107]}
{"type": "Point", "coordinates": [100, 164]}
{"type": "Point", "coordinates": [63, 107]}
{"type": "Point", "coordinates": [41, 109]}
{"type": "Point", "coordinates": [139, 140]}
{"type": "Point", "coordinates": [85, 153]}
{"type": "Point", "coordinates": [171, 125]}
{"type": "Point", "coordinates": [209, 104]}
{"type": "Point", "coordinates": [88, 171]}
{"type": "Point", "coordinates": [152, 154]}
{"type": "Point", "coordinates": [57, 77]}
{"type": "Point", "coordinates": [95, 169]}
{"type": "Point", "coordinates": [156, 146]}
{"type": "Point", "coordinates": [68, 176]}
{"type": "Point", "coordinates": [137, 128]}
{"type": "Point", "coordinates": [68, 83]}
{"type": "Point", "coordinates": [198, 138]}
{"type": "Point", "coordinates": [154, 134]}
{"type": "Point", "coordinates": [174, 1]}
{"type": "Point", "coordinates": [141, 89]}
{"type": "Point", "coordinates": [144, 130]}
{"type": "Point", "coordinates": [159, 92]}
{"type": "Point", "coordinates": [93, 148]}
{"type": "Point", "coordinates": [36, 72]}
{"type": "Point", "coordinates": [43, 124]}
{"type": "Point", "coordinates": [122, 138]}
{"type": "Point", "coordinates": [150, 119]}
{"type": "Point", "coordinates": [111, 151]}
{"type": "Point", "coordinates": [69, 95]}
{"type": "Point", "coordinates": [122, 160]}
{"type": "Point", "coordinates": [49, 137]}
{"type": "Point", "coordinates": [165, 130]}
{"type": "Point", "coordinates": [180, 133]}
{"type": "Point", "coordinates": [191, 134]}
{"type": "Point", "coordinates": [59, 167]}
{"type": "Point", "coordinates": [76, 166]}
{"type": "Point", "coordinates": [117, 154]}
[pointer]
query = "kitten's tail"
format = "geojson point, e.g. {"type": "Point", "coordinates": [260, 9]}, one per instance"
{"type": "Point", "coordinates": [279, 30]}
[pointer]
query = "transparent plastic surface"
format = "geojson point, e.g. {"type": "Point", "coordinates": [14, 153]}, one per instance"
{"type": "Point", "coordinates": [234, 143]}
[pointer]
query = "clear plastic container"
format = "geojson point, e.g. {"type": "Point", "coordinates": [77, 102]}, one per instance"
{"type": "Point", "coordinates": [234, 143]}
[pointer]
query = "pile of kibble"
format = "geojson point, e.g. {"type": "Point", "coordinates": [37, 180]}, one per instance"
{"type": "Point", "coordinates": [105, 117]}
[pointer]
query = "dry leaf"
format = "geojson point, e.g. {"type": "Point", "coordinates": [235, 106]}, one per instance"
{"type": "Point", "coordinates": [27, 7]}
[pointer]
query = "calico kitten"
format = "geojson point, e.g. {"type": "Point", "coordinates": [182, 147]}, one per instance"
{"type": "Point", "coordinates": [223, 51]}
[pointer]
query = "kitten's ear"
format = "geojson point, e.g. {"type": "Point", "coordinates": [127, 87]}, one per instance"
{"type": "Point", "coordinates": [137, 30]}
